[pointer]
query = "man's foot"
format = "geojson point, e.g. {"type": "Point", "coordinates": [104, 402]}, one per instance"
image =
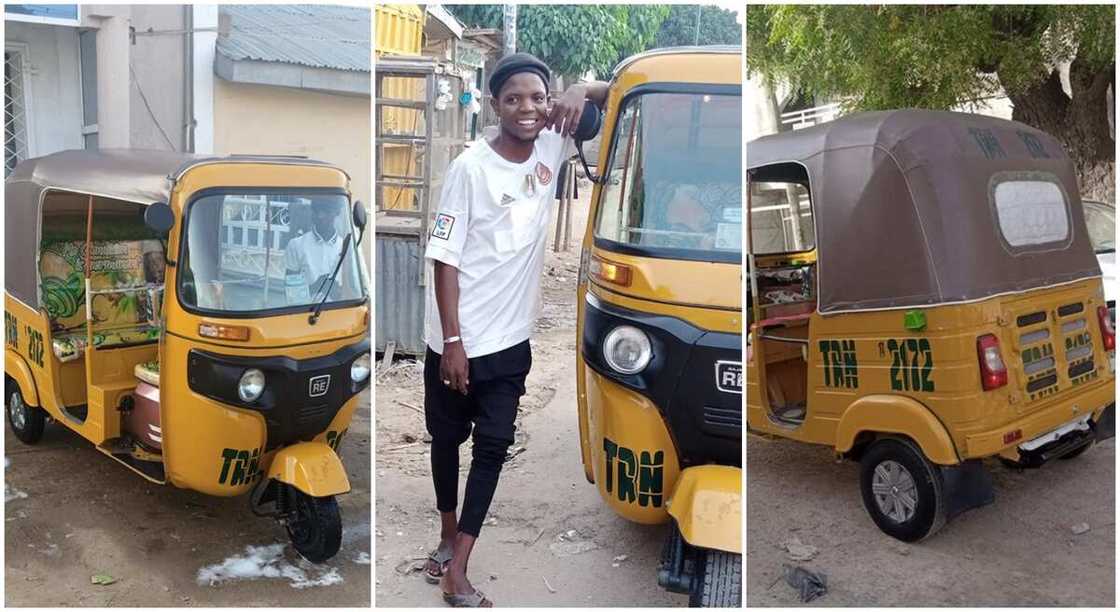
{"type": "Point", "coordinates": [459, 593]}
{"type": "Point", "coordinates": [438, 560]}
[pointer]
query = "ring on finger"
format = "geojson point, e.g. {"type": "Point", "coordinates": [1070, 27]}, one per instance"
{"type": "Point", "coordinates": [447, 382]}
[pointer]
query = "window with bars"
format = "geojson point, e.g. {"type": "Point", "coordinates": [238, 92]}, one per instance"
{"type": "Point", "coordinates": [15, 110]}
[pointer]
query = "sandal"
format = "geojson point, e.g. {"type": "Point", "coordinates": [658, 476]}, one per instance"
{"type": "Point", "coordinates": [470, 600]}
{"type": "Point", "coordinates": [441, 557]}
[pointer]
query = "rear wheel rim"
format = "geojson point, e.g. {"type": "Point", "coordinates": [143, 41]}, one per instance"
{"type": "Point", "coordinates": [895, 491]}
{"type": "Point", "coordinates": [17, 410]}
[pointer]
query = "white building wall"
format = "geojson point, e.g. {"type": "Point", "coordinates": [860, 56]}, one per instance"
{"type": "Point", "coordinates": [52, 76]}
{"type": "Point", "coordinates": [159, 71]}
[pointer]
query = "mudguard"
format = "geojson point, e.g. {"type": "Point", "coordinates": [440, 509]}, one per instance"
{"type": "Point", "coordinates": [900, 415]}
{"type": "Point", "coordinates": [311, 467]}
{"type": "Point", "coordinates": [16, 367]}
{"type": "Point", "coordinates": [706, 505]}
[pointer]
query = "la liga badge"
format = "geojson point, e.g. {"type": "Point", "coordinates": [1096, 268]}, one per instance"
{"type": "Point", "coordinates": [443, 225]}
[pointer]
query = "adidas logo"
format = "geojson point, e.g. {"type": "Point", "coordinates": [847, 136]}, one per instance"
{"type": "Point", "coordinates": [507, 199]}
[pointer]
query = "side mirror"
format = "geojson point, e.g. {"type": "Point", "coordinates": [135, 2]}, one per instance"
{"type": "Point", "coordinates": [359, 215]}
{"type": "Point", "coordinates": [589, 123]}
{"type": "Point", "coordinates": [159, 218]}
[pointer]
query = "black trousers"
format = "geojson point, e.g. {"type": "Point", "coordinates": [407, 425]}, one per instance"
{"type": "Point", "coordinates": [497, 382]}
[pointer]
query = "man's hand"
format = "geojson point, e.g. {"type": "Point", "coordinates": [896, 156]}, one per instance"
{"type": "Point", "coordinates": [453, 367]}
{"type": "Point", "coordinates": [566, 111]}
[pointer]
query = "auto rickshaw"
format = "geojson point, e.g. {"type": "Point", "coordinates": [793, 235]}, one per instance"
{"type": "Point", "coordinates": [924, 295]}
{"type": "Point", "coordinates": [659, 364]}
{"type": "Point", "coordinates": [245, 378]}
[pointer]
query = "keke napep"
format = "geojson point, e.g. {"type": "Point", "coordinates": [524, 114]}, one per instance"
{"type": "Point", "coordinates": [659, 363]}
{"type": "Point", "coordinates": [923, 295]}
{"type": "Point", "coordinates": [189, 316]}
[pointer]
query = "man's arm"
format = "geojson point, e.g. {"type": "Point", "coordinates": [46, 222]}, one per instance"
{"type": "Point", "coordinates": [453, 365]}
{"type": "Point", "coordinates": [566, 111]}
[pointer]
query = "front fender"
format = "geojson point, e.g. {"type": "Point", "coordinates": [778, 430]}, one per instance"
{"type": "Point", "coordinates": [16, 367]}
{"type": "Point", "coordinates": [706, 505]}
{"type": "Point", "coordinates": [311, 467]}
{"type": "Point", "coordinates": [897, 415]}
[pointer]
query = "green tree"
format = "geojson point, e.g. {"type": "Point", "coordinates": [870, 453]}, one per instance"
{"type": "Point", "coordinates": [573, 39]}
{"type": "Point", "coordinates": [717, 27]}
{"type": "Point", "coordinates": [942, 56]}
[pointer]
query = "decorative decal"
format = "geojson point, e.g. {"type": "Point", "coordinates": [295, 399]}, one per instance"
{"type": "Point", "coordinates": [911, 364]}
{"type": "Point", "coordinates": [639, 477]}
{"type": "Point", "coordinates": [544, 175]}
{"type": "Point", "coordinates": [838, 360]}
{"type": "Point", "coordinates": [442, 228]}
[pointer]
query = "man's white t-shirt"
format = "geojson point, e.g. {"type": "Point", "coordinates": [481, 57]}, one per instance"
{"type": "Point", "coordinates": [492, 225]}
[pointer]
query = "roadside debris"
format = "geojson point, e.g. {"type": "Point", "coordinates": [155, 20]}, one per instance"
{"type": "Point", "coordinates": [362, 558]}
{"type": "Point", "coordinates": [547, 585]}
{"type": "Point", "coordinates": [809, 585]}
{"type": "Point", "coordinates": [571, 543]}
{"type": "Point", "coordinates": [102, 579]}
{"type": "Point", "coordinates": [1080, 528]}
{"type": "Point", "coordinates": [268, 562]}
{"type": "Point", "coordinates": [798, 551]}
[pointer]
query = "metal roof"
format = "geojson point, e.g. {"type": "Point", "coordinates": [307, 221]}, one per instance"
{"type": "Point", "coordinates": [318, 36]}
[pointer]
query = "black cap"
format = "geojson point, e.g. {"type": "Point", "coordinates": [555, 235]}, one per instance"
{"type": "Point", "coordinates": [516, 63]}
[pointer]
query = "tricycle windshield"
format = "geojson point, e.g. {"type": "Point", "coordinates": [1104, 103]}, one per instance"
{"type": "Point", "coordinates": [268, 252]}
{"type": "Point", "coordinates": [675, 190]}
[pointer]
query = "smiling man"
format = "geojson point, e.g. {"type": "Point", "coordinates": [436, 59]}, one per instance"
{"type": "Point", "coordinates": [487, 244]}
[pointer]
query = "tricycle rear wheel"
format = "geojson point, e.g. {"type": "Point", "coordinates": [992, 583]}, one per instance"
{"type": "Point", "coordinates": [902, 491]}
{"type": "Point", "coordinates": [315, 526]}
{"type": "Point", "coordinates": [27, 422]}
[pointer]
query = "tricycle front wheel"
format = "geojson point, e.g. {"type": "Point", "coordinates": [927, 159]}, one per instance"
{"type": "Point", "coordinates": [315, 526]}
{"type": "Point", "coordinates": [27, 422]}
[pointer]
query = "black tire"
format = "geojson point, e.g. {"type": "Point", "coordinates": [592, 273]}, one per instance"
{"type": "Point", "coordinates": [1077, 452]}
{"type": "Point", "coordinates": [315, 527]}
{"type": "Point", "coordinates": [29, 421]}
{"type": "Point", "coordinates": [930, 504]}
{"type": "Point", "coordinates": [718, 581]}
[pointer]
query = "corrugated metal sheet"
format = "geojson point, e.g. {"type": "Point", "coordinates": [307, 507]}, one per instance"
{"type": "Point", "coordinates": [399, 295]}
{"type": "Point", "coordinates": [318, 36]}
{"type": "Point", "coordinates": [399, 29]}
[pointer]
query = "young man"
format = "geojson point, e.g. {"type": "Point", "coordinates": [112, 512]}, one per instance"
{"type": "Point", "coordinates": [310, 259]}
{"type": "Point", "coordinates": [488, 244]}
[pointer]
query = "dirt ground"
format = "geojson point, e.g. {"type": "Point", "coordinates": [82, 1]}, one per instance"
{"type": "Point", "coordinates": [73, 513]}
{"type": "Point", "coordinates": [549, 540]}
{"type": "Point", "coordinates": [1019, 551]}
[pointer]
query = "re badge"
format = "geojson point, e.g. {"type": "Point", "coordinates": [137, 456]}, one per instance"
{"type": "Point", "coordinates": [444, 223]}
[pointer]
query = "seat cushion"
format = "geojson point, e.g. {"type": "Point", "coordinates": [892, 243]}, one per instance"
{"type": "Point", "coordinates": [72, 345]}
{"type": "Point", "coordinates": [148, 372]}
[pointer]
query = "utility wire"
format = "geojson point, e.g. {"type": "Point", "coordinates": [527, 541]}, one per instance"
{"type": "Point", "coordinates": [149, 107]}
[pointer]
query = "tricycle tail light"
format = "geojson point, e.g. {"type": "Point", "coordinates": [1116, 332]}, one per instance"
{"type": "Point", "coordinates": [993, 372]}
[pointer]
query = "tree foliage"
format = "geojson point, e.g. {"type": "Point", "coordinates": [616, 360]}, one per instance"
{"type": "Point", "coordinates": [718, 26]}
{"type": "Point", "coordinates": [573, 39]}
{"type": "Point", "coordinates": [945, 56]}
{"type": "Point", "coordinates": [933, 56]}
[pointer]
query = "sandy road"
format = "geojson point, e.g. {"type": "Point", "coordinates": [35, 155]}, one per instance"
{"type": "Point", "coordinates": [1019, 551]}
{"type": "Point", "coordinates": [85, 515]}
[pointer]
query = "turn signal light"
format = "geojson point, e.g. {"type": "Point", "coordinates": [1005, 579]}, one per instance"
{"type": "Point", "coordinates": [614, 273]}
{"type": "Point", "coordinates": [993, 372]}
{"type": "Point", "coordinates": [224, 332]}
{"type": "Point", "coordinates": [1108, 333]}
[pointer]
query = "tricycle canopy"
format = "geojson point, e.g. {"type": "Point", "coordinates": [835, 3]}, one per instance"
{"type": "Point", "coordinates": [918, 208]}
{"type": "Point", "coordinates": [128, 175]}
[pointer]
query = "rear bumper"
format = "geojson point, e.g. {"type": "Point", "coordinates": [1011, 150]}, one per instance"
{"type": "Point", "coordinates": [1096, 401]}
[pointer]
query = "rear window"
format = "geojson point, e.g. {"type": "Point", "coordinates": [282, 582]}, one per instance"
{"type": "Point", "coordinates": [1032, 210]}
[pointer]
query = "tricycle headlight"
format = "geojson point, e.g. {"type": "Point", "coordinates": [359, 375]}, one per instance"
{"type": "Point", "coordinates": [251, 385]}
{"type": "Point", "coordinates": [359, 370]}
{"type": "Point", "coordinates": [627, 349]}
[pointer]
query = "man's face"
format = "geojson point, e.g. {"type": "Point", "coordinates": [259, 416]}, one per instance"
{"type": "Point", "coordinates": [522, 106]}
{"type": "Point", "coordinates": [323, 218]}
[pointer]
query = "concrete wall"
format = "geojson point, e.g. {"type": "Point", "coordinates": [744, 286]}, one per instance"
{"type": "Point", "coordinates": [282, 120]}
{"type": "Point", "coordinates": [55, 113]}
{"type": "Point", "coordinates": [159, 70]}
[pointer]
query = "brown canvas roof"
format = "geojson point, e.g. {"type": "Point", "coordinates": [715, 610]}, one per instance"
{"type": "Point", "coordinates": [132, 175]}
{"type": "Point", "coordinates": [902, 204]}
